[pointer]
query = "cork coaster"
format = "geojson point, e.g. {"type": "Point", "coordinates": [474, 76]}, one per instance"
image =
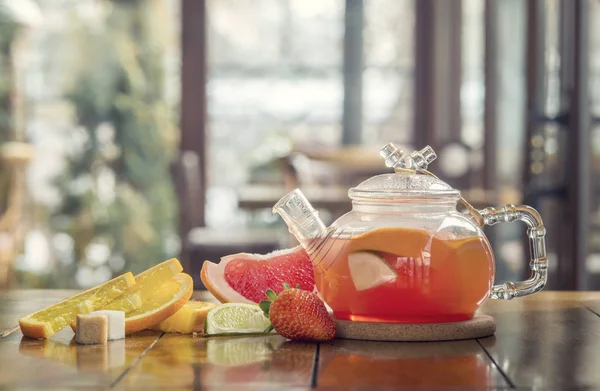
{"type": "Point", "coordinates": [478, 327]}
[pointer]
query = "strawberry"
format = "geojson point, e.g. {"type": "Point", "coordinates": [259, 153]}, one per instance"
{"type": "Point", "coordinates": [298, 315]}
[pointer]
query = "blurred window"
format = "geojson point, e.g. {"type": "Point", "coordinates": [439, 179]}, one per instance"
{"type": "Point", "coordinates": [275, 83]}
{"type": "Point", "coordinates": [100, 89]}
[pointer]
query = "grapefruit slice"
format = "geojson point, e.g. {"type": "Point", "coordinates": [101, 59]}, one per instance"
{"type": "Point", "coordinates": [244, 278]}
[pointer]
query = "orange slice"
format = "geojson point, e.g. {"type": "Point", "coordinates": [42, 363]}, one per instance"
{"type": "Point", "coordinates": [50, 320]}
{"type": "Point", "coordinates": [164, 301]}
{"type": "Point", "coordinates": [145, 284]}
{"type": "Point", "coordinates": [189, 319]}
{"type": "Point", "coordinates": [125, 303]}
{"type": "Point", "coordinates": [147, 281]}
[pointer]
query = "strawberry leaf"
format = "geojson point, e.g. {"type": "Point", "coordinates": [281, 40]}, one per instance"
{"type": "Point", "coordinates": [265, 305]}
{"type": "Point", "coordinates": [286, 286]}
{"type": "Point", "coordinates": [269, 329]}
{"type": "Point", "coordinates": [297, 286]}
{"type": "Point", "coordinates": [271, 295]}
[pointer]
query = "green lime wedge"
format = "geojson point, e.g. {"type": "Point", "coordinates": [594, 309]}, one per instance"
{"type": "Point", "coordinates": [236, 318]}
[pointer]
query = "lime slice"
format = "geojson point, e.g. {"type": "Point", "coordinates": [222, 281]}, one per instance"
{"type": "Point", "coordinates": [368, 270]}
{"type": "Point", "coordinates": [236, 318]}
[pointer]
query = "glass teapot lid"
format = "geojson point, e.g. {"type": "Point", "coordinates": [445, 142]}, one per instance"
{"type": "Point", "coordinates": [410, 180]}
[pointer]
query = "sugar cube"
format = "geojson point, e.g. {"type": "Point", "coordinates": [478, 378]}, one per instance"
{"type": "Point", "coordinates": [116, 323]}
{"type": "Point", "coordinates": [91, 329]}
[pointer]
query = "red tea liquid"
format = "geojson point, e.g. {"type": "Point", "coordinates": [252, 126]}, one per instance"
{"type": "Point", "coordinates": [438, 279]}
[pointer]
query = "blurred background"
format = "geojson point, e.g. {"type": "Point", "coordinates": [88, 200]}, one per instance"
{"type": "Point", "coordinates": [132, 131]}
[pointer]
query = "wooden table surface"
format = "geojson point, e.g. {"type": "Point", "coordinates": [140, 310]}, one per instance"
{"type": "Point", "coordinates": [547, 341]}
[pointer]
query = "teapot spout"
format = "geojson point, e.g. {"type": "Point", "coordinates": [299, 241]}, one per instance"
{"type": "Point", "coordinates": [301, 218]}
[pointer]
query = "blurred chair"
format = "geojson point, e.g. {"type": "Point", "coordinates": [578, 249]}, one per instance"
{"type": "Point", "coordinates": [201, 243]}
{"type": "Point", "coordinates": [335, 166]}
{"type": "Point", "coordinates": [325, 175]}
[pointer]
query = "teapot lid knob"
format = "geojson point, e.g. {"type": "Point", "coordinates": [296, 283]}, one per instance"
{"type": "Point", "coordinates": [417, 160]}
{"type": "Point", "coordinates": [392, 155]}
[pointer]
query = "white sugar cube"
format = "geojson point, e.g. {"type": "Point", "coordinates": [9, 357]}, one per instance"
{"type": "Point", "coordinates": [91, 329]}
{"type": "Point", "coordinates": [116, 323]}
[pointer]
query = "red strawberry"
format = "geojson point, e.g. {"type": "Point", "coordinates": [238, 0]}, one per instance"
{"type": "Point", "coordinates": [298, 315]}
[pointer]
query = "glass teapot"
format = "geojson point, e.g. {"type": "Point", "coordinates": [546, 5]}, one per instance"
{"type": "Point", "coordinates": [404, 253]}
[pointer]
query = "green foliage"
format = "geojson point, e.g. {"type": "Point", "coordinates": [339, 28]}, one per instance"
{"type": "Point", "coordinates": [8, 31]}
{"type": "Point", "coordinates": [120, 86]}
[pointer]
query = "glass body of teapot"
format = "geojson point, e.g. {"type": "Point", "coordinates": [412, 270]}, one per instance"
{"type": "Point", "coordinates": [404, 253]}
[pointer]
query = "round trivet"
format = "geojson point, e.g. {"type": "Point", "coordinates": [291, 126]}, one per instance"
{"type": "Point", "coordinates": [478, 327]}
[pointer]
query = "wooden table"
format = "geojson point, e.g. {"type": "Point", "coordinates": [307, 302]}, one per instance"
{"type": "Point", "coordinates": [548, 341]}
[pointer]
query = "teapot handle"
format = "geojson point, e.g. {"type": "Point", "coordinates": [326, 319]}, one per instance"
{"type": "Point", "coordinates": [537, 249]}
{"type": "Point", "coordinates": [537, 244]}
